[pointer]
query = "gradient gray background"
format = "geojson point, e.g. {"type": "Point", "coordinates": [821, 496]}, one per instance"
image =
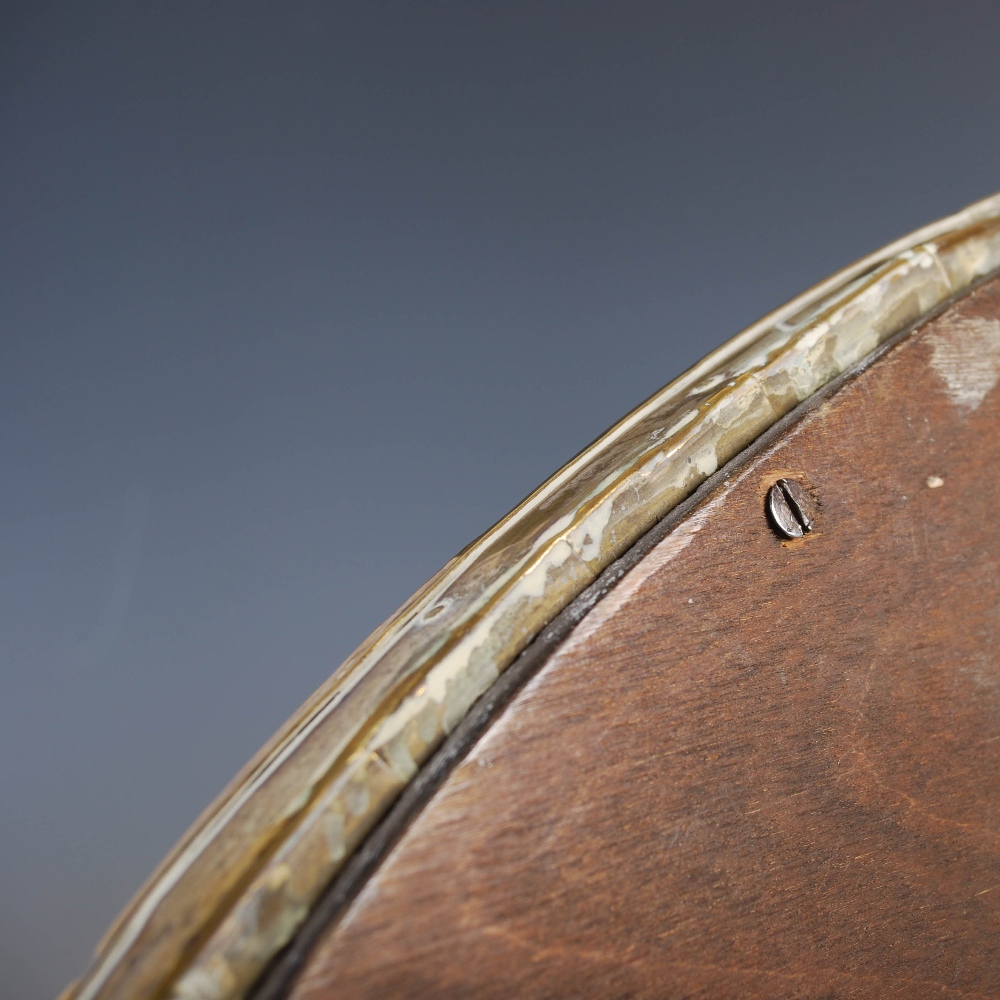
{"type": "Point", "coordinates": [298, 299]}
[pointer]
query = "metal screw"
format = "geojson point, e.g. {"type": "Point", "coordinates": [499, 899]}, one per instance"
{"type": "Point", "coordinates": [790, 509]}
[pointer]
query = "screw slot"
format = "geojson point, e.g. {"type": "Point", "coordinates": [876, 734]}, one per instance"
{"type": "Point", "coordinates": [790, 509]}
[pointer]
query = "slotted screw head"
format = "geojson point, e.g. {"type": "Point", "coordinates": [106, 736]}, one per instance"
{"type": "Point", "coordinates": [790, 509]}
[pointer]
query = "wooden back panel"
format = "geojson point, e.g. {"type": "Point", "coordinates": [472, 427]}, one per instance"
{"type": "Point", "coordinates": [757, 768]}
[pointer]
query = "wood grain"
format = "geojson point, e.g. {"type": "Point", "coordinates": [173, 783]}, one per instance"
{"type": "Point", "coordinates": [756, 768]}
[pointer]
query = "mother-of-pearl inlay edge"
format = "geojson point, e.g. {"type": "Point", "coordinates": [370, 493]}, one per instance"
{"type": "Point", "coordinates": [243, 879]}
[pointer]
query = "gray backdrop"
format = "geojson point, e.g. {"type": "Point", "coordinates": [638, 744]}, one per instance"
{"type": "Point", "coordinates": [299, 298]}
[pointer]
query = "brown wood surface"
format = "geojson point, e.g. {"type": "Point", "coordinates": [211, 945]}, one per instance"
{"type": "Point", "coordinates": [756, 769]}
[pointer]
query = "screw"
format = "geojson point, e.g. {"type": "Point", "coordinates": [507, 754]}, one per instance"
{"type": "Point", "coordinates": [790, 509]}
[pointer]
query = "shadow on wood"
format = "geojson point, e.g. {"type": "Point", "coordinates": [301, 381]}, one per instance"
{"type": "Point", "coordinates": [758, 768]}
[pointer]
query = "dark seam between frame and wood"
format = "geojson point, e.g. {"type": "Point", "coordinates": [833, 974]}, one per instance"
{"type": "Point", "coordinates": [279, 976]}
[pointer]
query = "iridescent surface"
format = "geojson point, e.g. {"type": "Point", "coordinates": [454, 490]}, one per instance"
{"type": "Point", "coordinates": [236, 888]}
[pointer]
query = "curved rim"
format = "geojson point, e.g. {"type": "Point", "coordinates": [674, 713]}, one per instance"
{"type": "Point", "coordinates": [242, 880]}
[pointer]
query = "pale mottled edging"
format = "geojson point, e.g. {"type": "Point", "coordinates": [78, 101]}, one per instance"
{"type": "Point", "coordinates": [242, 881]}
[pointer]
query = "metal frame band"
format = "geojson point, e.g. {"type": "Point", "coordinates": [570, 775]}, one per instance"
{"type": "Point", "coordinates": [241, 882]}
